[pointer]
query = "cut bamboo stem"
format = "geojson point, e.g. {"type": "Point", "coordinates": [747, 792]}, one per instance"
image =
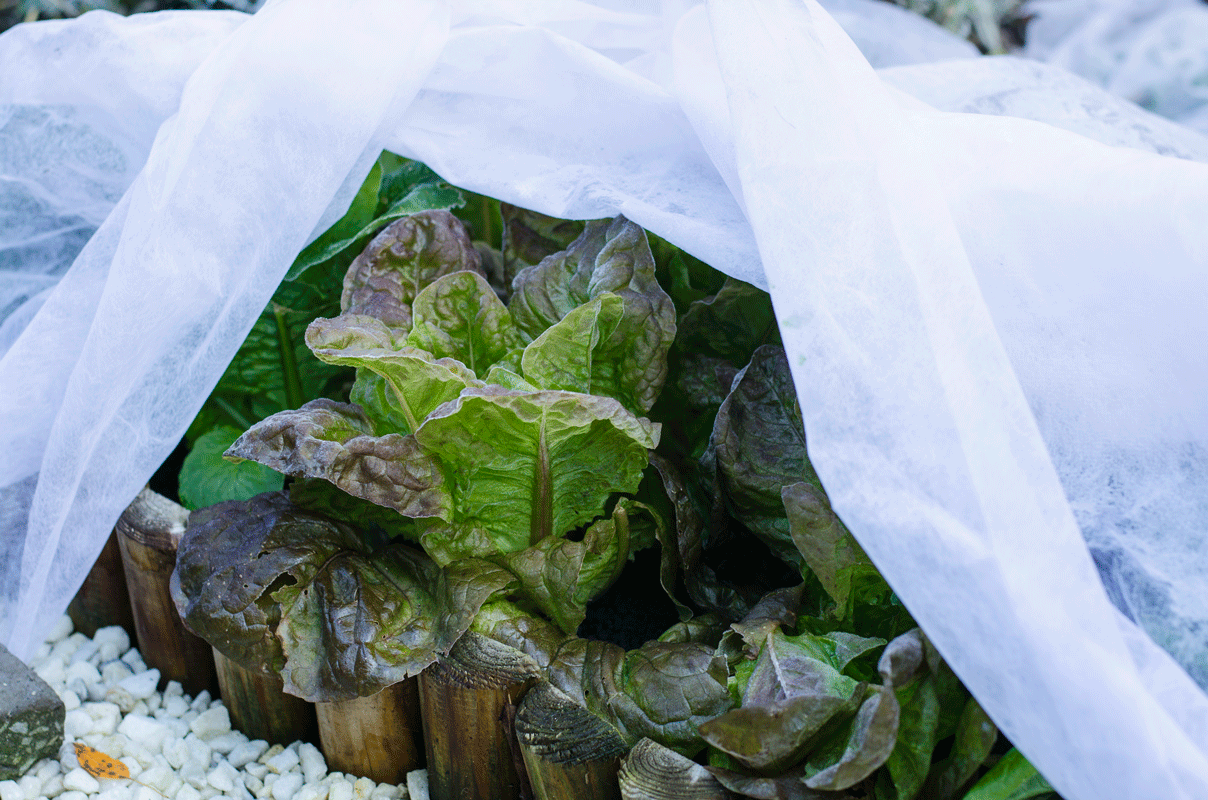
{"type": "Point", "coordinates": [377, 737]}
{"type": "Point", "coordinates": [148, 533]}
{"type": "Point", "coordinates": [103, 599]}
{"type": "Point", "coordinates": [465, 699]}
{"type": "Point", "coordinates": [654, 772]}
{"type": "Point", "coordinates": [568, 751]}
{"type": "Point", "coordinates": [259, 706]}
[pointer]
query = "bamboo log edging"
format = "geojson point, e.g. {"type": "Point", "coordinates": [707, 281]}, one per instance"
{"type": "Point", "coordinates": [654, 772]}
{"type": "Point", "coordinates": [148, 533]}
{"type": "Point", "coordinates": [103, 599]}
{"type": "Point", "coordinates": [376, 737]}
{"type": "Point", "coordinates": [568, 751]}
{"type": "Point", "coordinates": [464, 701]}
{"type": "Point", "coordinates": [259, 706]}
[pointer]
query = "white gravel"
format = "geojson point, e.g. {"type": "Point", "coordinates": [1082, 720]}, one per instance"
{"type": "Point", "coordinates": [179, 746]}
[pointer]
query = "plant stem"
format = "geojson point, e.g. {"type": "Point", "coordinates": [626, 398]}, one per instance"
{"type": "Point", "coordinates": [289, 363]}
{"type": "Point", "coordinates": [235, 414]}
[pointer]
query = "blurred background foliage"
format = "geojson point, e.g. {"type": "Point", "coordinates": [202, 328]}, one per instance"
{"type": "Point", "coordinates": [995, 26]}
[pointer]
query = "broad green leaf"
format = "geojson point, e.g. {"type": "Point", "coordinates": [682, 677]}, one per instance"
{"type": "Point", "coordinates": [775, 609]}
{"type": "Point", "coordinates": [918, 732]}
{"type": "Point", "coordinates": [401, 260]}
{"type": "Point", "coordinates": [559, 576]}
{"type": "Point", "coordinates": [1012, 778]}
{"type": "Point", "coordinates": [524, 466]}
{"type": "Point", "coordinates": [788, 785]}
{"type": "Point", "coordinates": [528, 237]}
{"type": "Point", "coordinates": [975, 736]}
{"type": "Point", "coordinates": [564, 356]}
{"type": "Point", "coordinates": [376, 523]}
{"type": "Point", "coordinates": [413, 381]}
{"type": "Point", "coordinates": [661, 690]}
{"type": "Point", "coordinates": [281, 590]}
{"type": "Point", "coordinates": [759, 446]}
{"type": "Point", "coordinates": [206, 478]}
{"type": "Point", "coordinates": [395, 188]}
{"type": "Point", "coordinates": [829, 549]}
{"type": "Point", "coordinates": [336, 442]}
{"type": "Point", "coordinates": [507, 623]}
{"type": "Point", "coordinates": [611, 256]}
{"type": "Point", "coordinates": [459, 316]}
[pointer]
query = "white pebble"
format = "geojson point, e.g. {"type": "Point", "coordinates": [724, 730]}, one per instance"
{"type": "Point", "coordinates": [187, 792]}
{"type": "Point", "coordinates": [105, 717]}
{"type": "Point", "coordinates": [112, 641]}
{"type": "Point", "coordinates": [194, 774]}
{"type": "Point", "coordinates": [53, 786]}
{"type": "Point", "coordinates": [314, 766]}
{"type": "Point", "coordinates": [386, 791]}
{"type": "Point", "coordinates": [86, 652]}
{"type": "Point", "coordinates": [145, 731]}
{"type": "Point", "coordinates": [173, 689]}
{"type": "Point", "coordinates": [83, 671]}
{"type": "Point", "coordinates": [272, 752]}
{"type": "Point", "coordinates": [52, 671]}
{"type": "Point", "coordinates": [46, 768]}
{"type": "Point", "coordinates": [77, 723]}
{"type": "Point", "coordinates": [155, 701]}
{"type": "Point", "coordinates": [114, 672]}
{"type": "Point", "coordinates": [253, 784]}
{"type": "Point", "coordinates": [158, 778]}
{"type": "Point", "coordinates": [223, 777]}
{"type": "Point", "coordinates": [313, 791]}
{"type": "Point", "coordinates": [73, 795]}
{"type": "Point", "coordinates": [363, 788]}
{"type": "Point", "coordinates": [175, 751]}
{"type": "Point", "coordinates": [287, 786]}
{"type": "Point", "coordinates": [131, 689]}
{"type": "Point", "coordinates": [417, 784]}
{"type": "Point", "coordinates": [11, 790]}
{"type": "Point", "coordinates": [199, 751]}
{"type": "Point", "coordinates": [340, 789]}
{"type": "Point", "coordinates": [71, 700]}
{"type": "Point", "coordinates": [211, 723]}
{"type": "Point", "coordinates": [61, 630]}
{"type": "Point", "coordinates": [246, 752]}
{"type": "Point", "coordinates": [283, 762]}
{"type": "Point", "coordinates": [78, 686]}
{"type": "Point", "coordinates": [201, 702]}
{"type": "Point", "coordinates": [226, 742]}
{"type": "Point", "coordinates": [257, 769]}
{"type": "Point", "coordinates": [64, 648]}
{"type": "Point", "coordinates": [175, 706]}
{"type": "Point", "coordinates": [134, 658]}
{"type": "Point", "coordinates": [81, 781]}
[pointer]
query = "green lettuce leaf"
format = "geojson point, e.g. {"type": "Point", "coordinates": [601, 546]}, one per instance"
{"type": "Point", "coordinates": [730, 324]}
{"type": "Point", "coordinates": [278, 589]}
{"type": "Point", "coordinates": [397, 386]}
{"type": "Point", "coordinates": [207, 478]}
{"type": "Point", "coordinates": [459, 316]}
{"type": "Point", "coordinates": [609, 257]}
{"type": "Point", "coordinates": [524, 466]}
{"type": "Point", "coordinates": [1012, 778]}
{"type": "Point", "coordinates": [401, 260]}
{"type": "Point", "coordinates": [336, 442]}
{"type": "Point", "coordinates": [976, 734]}
{"type": "Point", "coordinates": [828, 548]}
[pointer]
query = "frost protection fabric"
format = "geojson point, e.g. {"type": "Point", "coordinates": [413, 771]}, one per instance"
{"type": "Point", "coordinates": [958, 293]}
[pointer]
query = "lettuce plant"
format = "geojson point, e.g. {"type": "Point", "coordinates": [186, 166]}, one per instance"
{"type": "Point", "coordinates": [502, 435]}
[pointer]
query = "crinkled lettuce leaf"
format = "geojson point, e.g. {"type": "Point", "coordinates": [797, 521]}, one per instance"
{"type": "Point", "coordinates": [278, 589]}
{"type": "Point", "coordinates": [397, 385]}
{"type": "Point", "coordinates": [759, 446]}
{"type": "Point", "coordinates": [400, 261]}
{"type": "Point", "coordinates": [525, 466]}
{"type": "Point", "coordinates": [661, 690]}
{"type": "Point", "coordinates": [459, 316]}
{"type": "Point", "coordinates": [528, 237]}
{"type": "Point", "coordinates": [828, 548]}
{"type": "Point", "coordinates": [336, 442]}
{"type": "Point", "coordinates": [611, 256]}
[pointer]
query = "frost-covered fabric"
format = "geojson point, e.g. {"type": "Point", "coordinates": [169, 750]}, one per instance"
{"type": "Point", "coordinates": [1152, 52]}
{"type": "Point", "coordinates": [995, 325]}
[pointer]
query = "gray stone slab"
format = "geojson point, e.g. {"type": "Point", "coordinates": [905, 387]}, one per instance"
{"type": "Point", "coordinates": [31, 718]}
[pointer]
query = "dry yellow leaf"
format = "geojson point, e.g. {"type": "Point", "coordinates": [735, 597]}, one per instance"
{"type": "Point", "coordinates": [99, 765]}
